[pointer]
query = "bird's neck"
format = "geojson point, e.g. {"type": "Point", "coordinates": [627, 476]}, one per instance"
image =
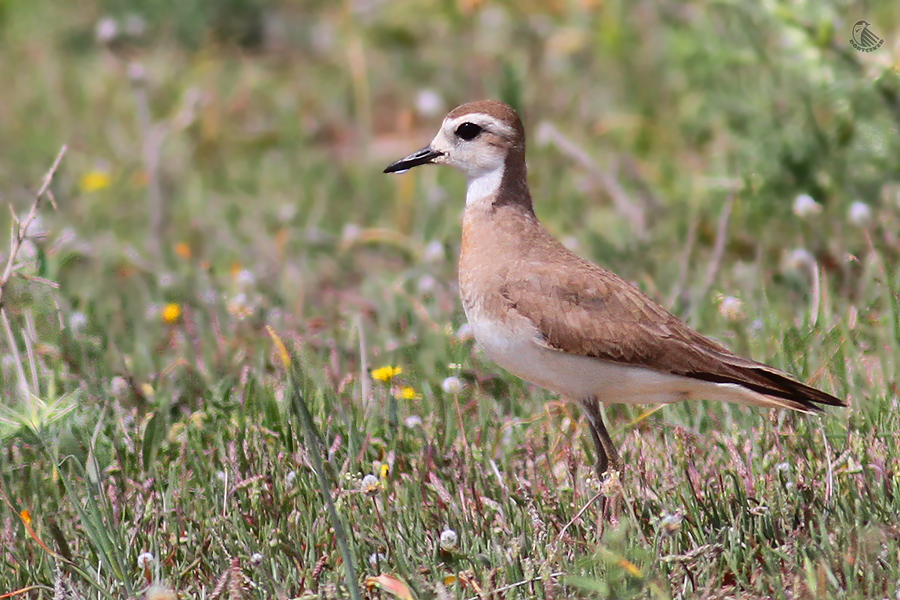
{"type": "Point", "coordinates": [499, 217]}
{"type": "Point", "coordinates": [507, 185]}
{"type": "Point", "coordinates": [499, 231]}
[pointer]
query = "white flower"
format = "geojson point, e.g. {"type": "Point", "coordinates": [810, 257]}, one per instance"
{"type": "Point", "coordinates": [36, 229]}
{"type": "Point", "coordinates": [159, 592]}
{"type": "Point", "coordinates": [545, 134]}
{"type": "Point", "coordinates": [106, 30]}
{"type": "Point", "coordinates": [145, 560]}
{"type": "Point", "coordinates": [805, 206]}
{"type": "Point", "coordinates": [245, 278]}
{"type": "Point", "coordinates": [412, 421]}
{"type": "Point", "coordinates": [427, 284]}
{"type": "Point", "coordinates": [136, 72]}
{"type": "Point", "coordinates": [350, 234]}
{"type": "Point", "coordinates": [287, 212]}
{"type": "Point", "coordinates": [453, 385]}
{"type": "Point", "coordinates": [429, 103]}
{"type": "Point", "coordinates": [370, 485]}
{"type": "Point", "coordinates": [731, 308]}
{"type": "Point", "coordinates": [434, 252]}
{"type": "Point", "coordinates": [860, 214]}
{"type": "Point", "coordinates": [119, 387]}
{"type": "Point", "coordinates": [256, 559]}
{"type": "Point", "coordinates": [449, 540]}
{"type": "Point", "coordinates": [465, 333]}
{"type": "Point", "coordinates": [290, 479]}
{"type": "Point", "coordinates": [78, 321]}
{"type": "Point", "coordinates": [376, 557]}
{"type": "Point", "coordinates": [798, 259]}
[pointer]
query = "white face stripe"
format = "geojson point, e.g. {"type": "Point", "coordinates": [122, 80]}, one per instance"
{"type": "Point", "coordinates": [482, 119]}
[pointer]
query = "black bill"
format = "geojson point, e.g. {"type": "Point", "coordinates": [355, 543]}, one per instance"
{"type": "Point", "coordinates": [420, 157]}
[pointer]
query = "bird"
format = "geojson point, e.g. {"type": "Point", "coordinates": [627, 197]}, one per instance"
{"type": "Point", "coordinates": [563, 323]}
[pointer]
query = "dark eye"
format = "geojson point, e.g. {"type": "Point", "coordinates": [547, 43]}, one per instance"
{"type": "Point", "coordinates": [468, 131]}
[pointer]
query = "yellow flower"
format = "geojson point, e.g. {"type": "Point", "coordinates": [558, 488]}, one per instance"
{"type": "Point", "coordinates": [384, 470]}
{"type": "Point", "coordinates": [94, 180]}
{"type": "Point", "coordinates": [171, 313]}
{"type": "Point", "coordinates": [25, 515]}
{"type": "Point", "coordinates": [183, 250]}
{"type": "Point", "coordinates": [386, 373]}
{"type": "Point", "coordinates": [406, 393]}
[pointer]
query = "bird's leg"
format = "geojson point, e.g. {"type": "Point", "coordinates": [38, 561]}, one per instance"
{"type": "Point", "coordinates": [607, 455]}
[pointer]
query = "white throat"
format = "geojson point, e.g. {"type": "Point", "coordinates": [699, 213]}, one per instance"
{"type": "Point", "coordinates": [484, 186]}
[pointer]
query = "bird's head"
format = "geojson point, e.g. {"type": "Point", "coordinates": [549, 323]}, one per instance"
{"type": "Point", "coordinates": [475, 138]}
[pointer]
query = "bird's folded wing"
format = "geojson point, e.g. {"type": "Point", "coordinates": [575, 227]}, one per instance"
{"type": "Point", "coordinates": [598, 314]}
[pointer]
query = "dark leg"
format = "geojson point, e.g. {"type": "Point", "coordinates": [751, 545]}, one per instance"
{"type": "Point", "coordinates": [607, 455]}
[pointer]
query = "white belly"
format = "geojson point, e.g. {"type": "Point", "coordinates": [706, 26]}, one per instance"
{"type": "Point", "coordinates": [581, 377]}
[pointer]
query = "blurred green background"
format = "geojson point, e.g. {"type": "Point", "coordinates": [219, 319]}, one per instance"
{"type": "Point", "coordinates": [223, 175]}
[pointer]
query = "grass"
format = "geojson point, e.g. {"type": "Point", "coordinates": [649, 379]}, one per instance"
{"type": "Point", "coordinates": [221, 208]}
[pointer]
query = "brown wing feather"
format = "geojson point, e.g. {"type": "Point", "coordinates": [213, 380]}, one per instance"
{"type": "Point", "coordinates": [609, 319]}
